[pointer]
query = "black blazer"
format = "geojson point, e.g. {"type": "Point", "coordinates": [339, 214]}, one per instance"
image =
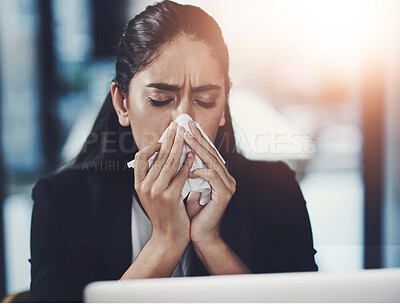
{"type": "Point", "coordinates": [81, 226]}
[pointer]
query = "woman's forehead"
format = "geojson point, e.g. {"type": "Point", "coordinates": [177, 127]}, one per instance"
{"type": "Point", "coordinates": [181, 61]}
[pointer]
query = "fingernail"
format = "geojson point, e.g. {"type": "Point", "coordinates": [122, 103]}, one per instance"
{"type": "Point", "coordinates": [181, 130]}
{"type": "Point", "coordinates": [190, 154]}
{"type": "Point", "coordinates": [188, 134]}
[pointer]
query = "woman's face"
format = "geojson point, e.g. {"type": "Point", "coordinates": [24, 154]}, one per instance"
{"type": "Point", "coordinates": [185, 78]}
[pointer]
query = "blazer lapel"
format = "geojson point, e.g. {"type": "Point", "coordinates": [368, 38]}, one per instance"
{"type": "Point", "coordinates": [114, 238]}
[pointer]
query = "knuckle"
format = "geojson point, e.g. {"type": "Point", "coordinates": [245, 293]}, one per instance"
{"type": "Point", "coordinates": [234, 181]}
{"type": "Point", "coordinates": [139, 156]}
{"type": "Point", "coordinates": [233, 189]}
{"type": "Point", "coordinates": [168, 164]}
{"type": "Point", "coordinates": [228, 196]}
{"type": "Point", "coordinates": [145, 188]}
{"type": "Point", "coordinates": [157, 165]}
{"type": "Point", "coordinates": [183, 170]}
{"type": "Point", "coordinates": [187, 165]}
{"type": "Point", "coordinates": [220, 170]}
{"type": "Point", "coordinates": [214, 157]}
{"type": "Point", "coordinates": [167, 196]}
{"type": "Point", "coordinates": [162, 155]}
{"type": "Point", "coordinates": [155, 191]}
{"type": "Point", "coordinates": [139, 188]}
{"type": "Point", "coordinates": [213, 173]}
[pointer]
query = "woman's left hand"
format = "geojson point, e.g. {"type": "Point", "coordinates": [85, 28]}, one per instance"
{"type": "Point", "coordinates": [206, 220]}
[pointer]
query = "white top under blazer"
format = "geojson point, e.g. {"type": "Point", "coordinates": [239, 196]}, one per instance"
{"type": "Point", "coordinates": [141, 233]}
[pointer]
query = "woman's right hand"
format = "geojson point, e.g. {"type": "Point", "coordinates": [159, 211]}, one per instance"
{"type": "Point", "coordinates": [160, 192]}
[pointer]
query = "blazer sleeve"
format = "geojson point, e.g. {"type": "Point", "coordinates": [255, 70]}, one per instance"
{"type": "Point", "coordinates": [292, 247]}
{"type": "Point", "coordinates": [55, 275]}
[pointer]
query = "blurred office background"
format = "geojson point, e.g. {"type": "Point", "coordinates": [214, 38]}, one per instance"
{"type": "Point", "coordinates": [315, 83]}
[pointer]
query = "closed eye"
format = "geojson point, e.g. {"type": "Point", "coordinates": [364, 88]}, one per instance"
{"type": "Point", "coordinates": [160, 103]}
{"type": "Point", "coordinates": [205, 104]}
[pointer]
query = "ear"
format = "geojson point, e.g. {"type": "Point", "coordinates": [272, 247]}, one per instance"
{"type": "Point", "coordinates": [223, 120]}
{"type": "Point", "coordinates": [120, 104]}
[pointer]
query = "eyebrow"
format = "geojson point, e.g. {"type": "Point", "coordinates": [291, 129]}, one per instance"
{"type": "Point", "coordinates": [171, 87]}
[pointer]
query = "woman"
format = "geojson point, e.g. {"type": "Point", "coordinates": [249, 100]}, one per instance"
{"type": "Point", "coordinates": [91, 219]}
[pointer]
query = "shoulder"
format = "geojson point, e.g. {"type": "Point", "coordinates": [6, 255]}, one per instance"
{"type": "Point", "coordinates": [65, 182]}
{"type": "Point", "coordinates": [265, 174]}
{"type": "Point", "coordinates": [71, 188]}
{"type": "Point", "coordinates": [60, 192]}
{"type": "Point", "coordinates": [266, 188]}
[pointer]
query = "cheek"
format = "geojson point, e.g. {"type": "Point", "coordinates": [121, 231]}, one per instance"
{"type": "Point", "coordinates": [210, 125]}
{"type": "Point", "coordinates": [146, 125]}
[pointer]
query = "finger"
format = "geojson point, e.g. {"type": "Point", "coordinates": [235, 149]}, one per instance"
{"type": "Point", "coordinates": [203, 141]}
{"type": "Point", "coordinates": [183, 174]}
{"type": "Point", "coordinates": [172, 163]}
{"type": "Point", "coordinates": [209, 159]}
{"type": "Point", "coordinates": [215, 180]}
{"type": "Point", "coordinates": [142, 160]}
{"type": "Point", "coordinates": [163, 154]}
{"type": "Point", "coordinates": [192, 204]}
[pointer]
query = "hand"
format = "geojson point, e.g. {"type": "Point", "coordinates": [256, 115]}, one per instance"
{"type": "Point", "coordinates": [160, 192]}
{"type": "Point", "coordinates": [206, 220]}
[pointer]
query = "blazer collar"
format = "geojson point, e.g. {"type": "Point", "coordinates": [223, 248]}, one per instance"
{"type": "Point", "coordinates": [114, 233]}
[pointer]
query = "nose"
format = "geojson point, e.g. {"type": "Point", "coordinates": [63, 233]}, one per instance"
{"type": "Point", "coordinates": [185, 106]}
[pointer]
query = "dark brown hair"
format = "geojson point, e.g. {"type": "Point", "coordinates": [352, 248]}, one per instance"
{"type": "Point", "coordinates": [139, 44]}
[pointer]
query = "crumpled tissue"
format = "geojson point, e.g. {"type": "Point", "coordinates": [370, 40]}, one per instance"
{"type": "Point", "coordinates": [192, 184]}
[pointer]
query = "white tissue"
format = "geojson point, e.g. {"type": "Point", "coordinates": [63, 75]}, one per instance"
{"type": "Point", "coordinates": [192, 184]}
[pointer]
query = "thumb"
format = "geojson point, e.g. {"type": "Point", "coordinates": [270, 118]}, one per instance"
{"type": "Point", "coordinates": [192, 204]}
{"type": "Point", "coordinates": [183, 174]}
